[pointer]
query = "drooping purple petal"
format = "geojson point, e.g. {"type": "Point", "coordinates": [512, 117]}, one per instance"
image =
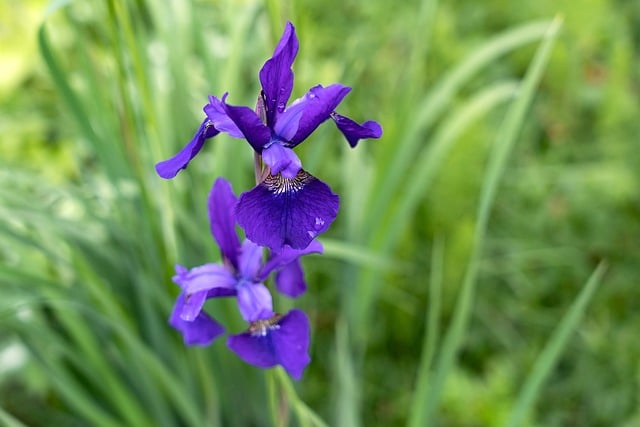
{"type": "Point", "coordinates": [354, 131]}
{"type": "Point", "coordinates": [254, 301]}
{"type": "Point", "coordinates": [283, 341]}
{"type": "Point", "coordinates": [204, 278]}
{"type": "Point", "coordinates": [256, 133]}
{"type": "Point", "coordinates": [169, 168]}
{"type": "Point", "coordinates": [287, 255]}
{"type": "Point", "coordinates": [250, 260]}
{"type": "Point", "coordinates": [276, 75]}
{"type": "Point", "coordinates": [201, 331]}
{"type": "Point", "coordinates": [318, 103]}
{"type": "Point", "coordinates": [281, 160]}
{"type": "Point", "coordinates": [222, 219]}
{"type": "Point", "coordinates": [281, 211]}
{"type": "Point", "coordinates": [290, 280]}
{"type": "Point", "coordinates": [218, 116]}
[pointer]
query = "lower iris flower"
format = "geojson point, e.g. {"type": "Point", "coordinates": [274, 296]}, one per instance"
{"type": "Point", "coordinates": [241, 274]}
{"type": "Point", "coordinates": [277, 340]}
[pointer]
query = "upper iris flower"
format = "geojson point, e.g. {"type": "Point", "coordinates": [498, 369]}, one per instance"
{"type": "Point", "coordinates": [240, 275]}
{"type": "Point", "coordinates": [290, 206]}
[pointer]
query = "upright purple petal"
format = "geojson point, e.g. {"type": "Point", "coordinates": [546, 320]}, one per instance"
{"type": "Point", "coordinates": [281, 211]}
{"type": "Point", "coordinates": [218, 116]}
{"type": "Point", "coordinates": [354, 131]}
{"type": "Point", "coordinates": [290, 280]}
{"type": "Point", "coordinates": [169, 168]}
{"type": "Point", "coordinates": [318, 103]}
{"type": "Point", "coordinates": [278, 341]}
{"type": "Point", "coordinates": [276, 75]}
{"type": "Point", "coordinates": [201, 331]}
{"type": "Point", "coordinates": [254, 301]}
{"type": "Point", "coordinates": [256, 133]}
{"type": "Point", "coordinates": [222, 203]}
{"type": "Point", "coordinates": [281, 160]}
{"type": "Point", "coordinates": [250, 260]}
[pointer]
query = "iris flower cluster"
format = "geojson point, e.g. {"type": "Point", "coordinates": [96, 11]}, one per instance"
{"type": "Point", "coordinates": [281, 216]}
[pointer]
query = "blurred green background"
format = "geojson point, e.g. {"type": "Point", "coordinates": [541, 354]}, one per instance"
{"type": "Point", "coordinates": [443, 283]}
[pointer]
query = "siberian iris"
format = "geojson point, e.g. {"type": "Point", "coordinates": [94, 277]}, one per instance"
{"type": "Point", "coordinates": [289, 206]}
{"type": "Point", "coordinates": [241, 274]}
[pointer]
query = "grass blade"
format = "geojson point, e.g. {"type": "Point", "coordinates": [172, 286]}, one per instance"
{"type": "Point", "coordinates": [496, 167]}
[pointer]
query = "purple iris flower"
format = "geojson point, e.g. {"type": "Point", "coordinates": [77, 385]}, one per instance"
{"type": "Point", "coordinates": [278, 340]}
{"type": "Point", "coordinates": [241, 274]}
{"type": "Point", "coordinates": [290, 206]}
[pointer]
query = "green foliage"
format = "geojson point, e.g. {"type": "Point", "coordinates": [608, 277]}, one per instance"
{"type": "Point", "coordinates": [451, 292]}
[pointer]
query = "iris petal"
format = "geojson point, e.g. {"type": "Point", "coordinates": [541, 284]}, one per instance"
{"type": "Point", "coordinates": [290, 280]}
{"type": "Point", "coordinates": [354, 131]}
{"type": "Point", "coordinates": [169, 168]}
{"type": "Point", "coordinates": [222, 203]}
{"type": "Point", "coordinates": [287, 255]}
{"type": "Point", "coordinates": [254, 301]}
{"type": "Point", "coordinates": [201, 331]}
{"type": "Point", "coordinates": [256, 133]}
{"type": "Point", "coordinates": [218, 116]}
{"type": "Point", "coordinates": [284, 343]}
{"type": "Point", "coordinates": [281, 211]}
{"type": "Point", "coordinates": [281, 160]}
{"type": "Point", "coordinates": [318, 104]}
{"type": "Point", "coordinates": [276, 75]}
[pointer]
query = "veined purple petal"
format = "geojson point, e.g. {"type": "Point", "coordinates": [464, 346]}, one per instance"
{"type": "Point", "coordinates": [254, 301]}
{"type": "Point", "coordinates": [201, 331]}
{"type": "Point", "coordinates": [250, 260]}
{"type": "Point", "coordinates": [218, 116]}
{"type": "Point", "coordinates": [287, 255]}
{"type": "Point", "coordinates": [318, 103]}
{"type": "Point", "coordinates": [276, 75]}
{"type": "Point", "coordinates": [278, 341]}
{"type": "Point", "coordinates": [204, 278]}
{"type": "Point", "coordinates": [290, 280]}
{"type": "Point", "coordinates": [354, 131]}
{"type": "Point", "coordinates": [281, 211]}
{"type": "Point", "coordinates": [222, 219]}
{"type": "Point", "coordinates": [281, 160]}
{"type": "Point", "coordinates": [255, 132]}
{"type": "Point", "coordinates": [169, 168]}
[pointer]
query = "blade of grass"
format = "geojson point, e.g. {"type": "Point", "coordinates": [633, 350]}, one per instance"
{"type": "Point", "coordinates": [433, 105]}
{"type": "Point", "coordinates": [497, 163]}
{"type": "Point", "coordinates": [553, 349]}
{"type": "Point", "coordinates": [432, 320]}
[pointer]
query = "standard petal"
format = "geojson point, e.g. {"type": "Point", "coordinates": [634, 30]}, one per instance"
{"type": "Point", "coordinates": [201, 331]}
{"type": "Point", "coordinates": [218, 116]}
{"type": "Point", "coordinates": [169, 168]}
{"type": "Point", "coordinates": [291, 342]}
{"type": "Point", "coordinates": [256, 133]}
{"type": "Point", "coordinates": [281, 160]}
{"type": "Point", "coordinates": [281, 211]}
{"type": "Point", "coordinates": [354, 131]}
{"type": "Point", "coordinates": [276, 75]}
{"type": "Point", "coordinates": [254, 301]}
{"type": "Point", "coordinates": [287, 255]}
{"type": "Point", "coordinates": [290, 280]}
{"type": "Point", "coordinates": [222, 219]}
{"type": "Point", "coordinates": [250, 260]}
{"type": "Point", "coordinates": [204, 278]}
{"type": "Point", "coordinates": [318, 103]}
